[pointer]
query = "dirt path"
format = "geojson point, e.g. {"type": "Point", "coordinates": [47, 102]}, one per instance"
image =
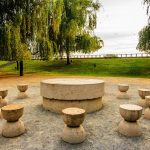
{"type": "Point", "coordinates": [44, 127]}
{"type": "Point", "coordinates": [10, 80]}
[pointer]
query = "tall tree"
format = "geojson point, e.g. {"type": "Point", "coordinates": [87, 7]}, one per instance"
{"type": "Point", "coordinates": [22, 23]}
{"type": "Point", "coordinates": [144, 34]}
{"type": "Point", "coordinates": [77, 23]}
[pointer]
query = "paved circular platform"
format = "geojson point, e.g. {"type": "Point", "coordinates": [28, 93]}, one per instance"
{"type": "Point", "coordinates": [61, 93]}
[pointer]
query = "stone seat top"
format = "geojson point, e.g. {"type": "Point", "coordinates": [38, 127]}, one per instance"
{"type": "Point", "coordinates": [144, 90]}
{"type": "Point", "coordinates": [123, 84]}
{"type": "Point", "coordinates": [72, 81]}
{"type": "Point", "coordinates": [12, 107]}
{"type": "Point", "coordinates": [3, 89]}
{"type": "Point", "coordinates": [73, 111]}
{"type": "Point", "coordinates": [22, 84]}
{"type": "Point", "coordinates": [147, 97]}
{"type": "Point", "coordinates": [131, 107]}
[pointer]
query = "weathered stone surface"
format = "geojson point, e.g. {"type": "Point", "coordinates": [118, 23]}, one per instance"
{"type": "Point", "coordinates": [72, 89]}
{"type": "Point", "coordinates": [144, 92]}
{"type": "Point", "coordinates": [130, 129]}
{"type": "Point", "coordinates": [12, 112]}
{"type": "Point", "coordinates": [22, 87]}
{"type": "Point", "coordinates": [130, 112]}
{"type": "Point", "coordinates": [123, 87]}
{"type": "Point", "coordinates": [3, 93]}
{"type": "Point", "coordinates": [73, 117]}
{"type": "Point", "coordinates": [73, 135]}
{"type": "Point", "coordinates": [58, 105]}
{"type": "Point", "coordinates": [13, 129]}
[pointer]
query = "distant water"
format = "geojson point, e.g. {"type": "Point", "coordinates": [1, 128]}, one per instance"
{"type": "Point", "coordinates": [119, 44]}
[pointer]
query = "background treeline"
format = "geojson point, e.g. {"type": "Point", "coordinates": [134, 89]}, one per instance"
{"type": "Point", "coordinates": [47, 28]}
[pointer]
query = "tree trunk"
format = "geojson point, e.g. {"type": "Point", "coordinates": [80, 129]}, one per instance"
{"type": "Point", "coordinates": [67, 51]}
{"type": "Point", "coordinates": [17, 65]}
{"type": "Point", "coordinates": [68, 58]}
{"type": "Point", "coordinates": [21, 68]}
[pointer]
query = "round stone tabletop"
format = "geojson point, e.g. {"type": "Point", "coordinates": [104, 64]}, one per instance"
{"type": "Point", "coordinates": [72, 88]}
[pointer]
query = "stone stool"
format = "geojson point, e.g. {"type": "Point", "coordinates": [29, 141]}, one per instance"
{"type": "Point", "coordinates": [123, 88]}
{"type": "Point", "coordinates": [3, 102]}
{"type": "Point", "coordinates": [142, 94]}
{"type": "Point", "coordinates": [13, 126]}
{"type": "Point", "coordinates": [22, 89]}
{"type": "Point", "coordinates": [129, 126]}
{"type": "Point", "coordinates": [147, 110]}
{"type": "Point", "coordinates": [3, 94]}
{"type": "Point", "coordinates": [73, 131]}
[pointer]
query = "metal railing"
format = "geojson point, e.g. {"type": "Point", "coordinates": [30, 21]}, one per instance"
{"type": "Point", "coordinates": [100, 56]}
{"type": "Point", "coordinates": [136, 55]}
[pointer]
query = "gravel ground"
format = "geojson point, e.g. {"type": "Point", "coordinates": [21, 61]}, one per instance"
{"type": "Point", "coordinates": [44, 128]}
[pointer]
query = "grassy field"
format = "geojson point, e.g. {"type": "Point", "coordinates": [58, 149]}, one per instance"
{"type": "Point", "coordinates": [3, 62]}
{"type": "Point", "coordinates": [129, 67]}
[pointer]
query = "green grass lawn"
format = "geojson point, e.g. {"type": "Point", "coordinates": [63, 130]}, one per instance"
{"type": "Point", "coordinates": [3, 62]}
{"type": "Point", "coordinates": [129, 67]}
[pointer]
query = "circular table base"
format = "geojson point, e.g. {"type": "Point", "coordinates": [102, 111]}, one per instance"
{"type": "Point", "coordinates": [13, 129]}
{"type": "Point", "coordinates": [58, 105]}
{"type": "Point", "coordinates": [73, 135]}
{"type": "Point", "coordinates": [130, 129]}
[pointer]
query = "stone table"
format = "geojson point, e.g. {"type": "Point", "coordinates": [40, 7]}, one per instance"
{"type": "Point", "coordinates": [61, 93]}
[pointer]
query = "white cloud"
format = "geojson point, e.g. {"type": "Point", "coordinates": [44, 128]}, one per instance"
{"type": "Point", "coordinates": [120, 18]}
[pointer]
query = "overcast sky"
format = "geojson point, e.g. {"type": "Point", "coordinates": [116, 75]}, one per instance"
{"type": "Point", "coordinates": [119, 22]}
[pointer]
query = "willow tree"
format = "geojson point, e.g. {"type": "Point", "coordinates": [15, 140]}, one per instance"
{"type": "Point", "coordinates": [144, 34]}
{"type": "Point", "coordinates": [78, 21]}
{"type": "Point", "coordinates": [22, 23]}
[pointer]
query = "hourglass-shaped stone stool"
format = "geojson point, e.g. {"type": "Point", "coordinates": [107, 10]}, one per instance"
{"type": "Point", "coordinates": [13, 126]}
{"type": "Point", "coordinates": [3, 100]}
{"type": "Point", "coordinates": [147, 110]}
{"type": "Point", "coordinates": [3, 94]}
{"type": "Point", "coordinates": [142, 94]}
{"type": "Point", "coordinates": [73, 131]}
{"type": "Point", "coordinates": [22, 91]}
{"type": "Point", "coordinates": [123, 88]}
{"type": "Point", "coordinates": [129, 126]}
